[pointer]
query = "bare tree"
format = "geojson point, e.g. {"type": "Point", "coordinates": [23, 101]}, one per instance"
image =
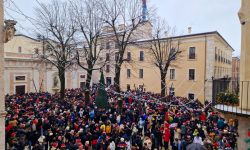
{"type": "Point", "coordinates": [164, 50]}
{"type": "Point", "coordinates": [123, 17]}
{"type": "Point", "coordinates": [57, 25]}
{"type": "Point", "coordinates": [88, 16]}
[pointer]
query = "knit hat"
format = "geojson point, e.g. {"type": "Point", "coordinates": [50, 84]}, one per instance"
{"type": "Point", "coordinates": [63, 145]}
{"type": "Point", "coordinates": [55, 144]}
{"type": "Point", "coordinates": [122, 139]}
{"type": "Point", "coordinates": [67, 128]}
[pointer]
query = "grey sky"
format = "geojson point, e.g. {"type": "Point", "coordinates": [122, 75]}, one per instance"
{"type": "Point", "coordinates": [201, 15]}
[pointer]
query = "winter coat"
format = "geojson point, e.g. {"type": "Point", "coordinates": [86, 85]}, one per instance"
{"type": "Point", "coordinates": [108, 129]}
{"type": "Point", "coordinates": [166, 135]}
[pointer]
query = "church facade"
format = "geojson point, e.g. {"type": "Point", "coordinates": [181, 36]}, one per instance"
{"type": "Point", "coordinates": [25, 73]}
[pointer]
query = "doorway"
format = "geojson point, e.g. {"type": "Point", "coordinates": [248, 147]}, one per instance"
{"type": "Point", "coordinates": [108, 81]}
{"type": "Point", "coordinates": [82, 85]}
{"type": "Point", "coordinates": [20, 89]}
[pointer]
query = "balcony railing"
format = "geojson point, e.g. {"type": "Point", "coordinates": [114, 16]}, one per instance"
{"type": "Point", "coordinates": [238, 102]}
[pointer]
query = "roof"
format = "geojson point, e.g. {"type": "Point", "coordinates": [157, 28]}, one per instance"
{"type": "Point", "coordinates": [174, 37]}
{"type": "Point", "coordinates": [28, 37]}
{"type": "Point", "coordinates": [37, 40]}
{"type": "Point", "coordinates": [191, 35]}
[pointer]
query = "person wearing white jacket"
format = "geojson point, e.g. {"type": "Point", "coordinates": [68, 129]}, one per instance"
{"type": "Point", "coordinates": [112, 145]}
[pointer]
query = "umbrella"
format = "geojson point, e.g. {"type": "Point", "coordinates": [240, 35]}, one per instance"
{"type": "Point", "coordinates": [196, 146]}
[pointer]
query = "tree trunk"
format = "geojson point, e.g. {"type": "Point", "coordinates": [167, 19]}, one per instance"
{"type": "Point", "coordinates": [62, 83]}
{"type": "Point", "coordinates": [89, 77]}
{"type": "Point", "coordinates": [163, 84]}
{"type": "Point", "coordinates": [117, 78]}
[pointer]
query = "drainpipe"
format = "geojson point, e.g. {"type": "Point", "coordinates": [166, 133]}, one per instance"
{"type": "Point", "coordinates": [205, 68]}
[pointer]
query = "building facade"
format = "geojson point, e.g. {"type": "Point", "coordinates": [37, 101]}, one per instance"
{"type": "Point", "coordinates": [244, 16]}
{"type": "Point", "coordinates": [204, 57]}
{"type": "Point", "coordinates": [25, 73]}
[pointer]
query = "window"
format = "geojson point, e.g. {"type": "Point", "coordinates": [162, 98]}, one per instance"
{"type": "Point", "coordinates": [172, 74]}
{"type": "Point", "coordinates": [141, 73]}
{"type": "Point", "coordinates": [129, 56]}
{"type": "Point", "coordinates": [172, 54]}
{"type": "Point", "coordinates": [141, 55]}
{"type": "Point", "coordinates": [116, 56]}
{"type": "Point", "coordinates": [128, 73]}
{"type": "Point", "coordinates": [82, 76]}
{"type": "Point", "coordinates": [82, 85]}
{"type": "Point", "coordinates": [19, 49]}
{"type": "Point", "coordinates": [107, 68]}
{"type": "Point", "coordinates": [108, 81]}
{"type": "Point", "coordinates": [190, 96]}
{"type": "Point", "coordinates": [192, 53]}
{"type": "Point", "coordinates": [108, 45]}
{"type": "Point", "coordinates": [20, 78]}
{"type": "Point", "coordinates": [191, 74]}
{"type": "Point", "coordinates": [216, 56]}
{"type": "Point", "coordinates": [107, 57]}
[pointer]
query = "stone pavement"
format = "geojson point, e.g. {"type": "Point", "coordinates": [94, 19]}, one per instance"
{"type": "Point", "coordinates": [244, 125]}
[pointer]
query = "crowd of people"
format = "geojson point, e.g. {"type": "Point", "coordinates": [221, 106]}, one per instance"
{"type": "Point", "coordinates": [38, 121]}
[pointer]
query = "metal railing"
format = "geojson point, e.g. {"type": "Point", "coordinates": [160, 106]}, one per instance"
{"type": "Point", "coordinates": [236, 98]}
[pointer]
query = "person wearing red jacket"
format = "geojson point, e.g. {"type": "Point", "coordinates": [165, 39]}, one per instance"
{"type": "Point", "coordinates": [166, 135]}
{"type": "Point", "coordinates": [203, 117]}
{"type": "Point", "coordinates": [130, 100]}
{"type": "Point", "coordinates": [166, 117]}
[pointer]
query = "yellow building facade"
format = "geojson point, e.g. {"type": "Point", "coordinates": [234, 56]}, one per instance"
{"type": "Point", "coordinates": [190, 75]}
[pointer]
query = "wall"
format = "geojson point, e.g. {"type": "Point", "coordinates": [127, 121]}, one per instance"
{"type": "Point", "coordinates": [204, 65]}
{"type": "Point", "coordinates": [2, 106]}
{"type": "Point", "coordinates": [244, 15]}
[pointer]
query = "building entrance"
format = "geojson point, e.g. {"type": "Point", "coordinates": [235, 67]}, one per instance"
{"type": "Point", "coordinates": [20, 89]}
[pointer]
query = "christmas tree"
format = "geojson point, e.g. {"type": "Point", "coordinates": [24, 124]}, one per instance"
{"type": "Point", "coordinates": [101, 99]}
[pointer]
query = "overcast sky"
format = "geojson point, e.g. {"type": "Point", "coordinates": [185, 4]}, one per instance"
{"type": "Point", "coordinates": [201, 15]}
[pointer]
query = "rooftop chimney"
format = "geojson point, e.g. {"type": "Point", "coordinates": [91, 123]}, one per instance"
{"type": "Point", "coordinates": [189, 30]}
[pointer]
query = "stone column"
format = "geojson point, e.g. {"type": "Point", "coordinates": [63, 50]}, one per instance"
{"type": "Point", "coordinates": [244, 16]}
{"type": "Point", "coordinates": [2, 104]}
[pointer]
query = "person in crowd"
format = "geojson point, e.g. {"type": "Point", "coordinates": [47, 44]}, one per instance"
{"type": "Point", "coordinates": [133, 120]}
